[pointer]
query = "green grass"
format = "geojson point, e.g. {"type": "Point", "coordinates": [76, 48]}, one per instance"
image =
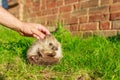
{"type": "Point", "coordinates": [95, 56]}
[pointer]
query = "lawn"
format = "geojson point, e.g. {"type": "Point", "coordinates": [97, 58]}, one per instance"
{"type": "Point", "coordinates": [92, 58]}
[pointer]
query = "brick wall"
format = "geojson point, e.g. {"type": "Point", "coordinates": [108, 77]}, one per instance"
{"type": "Point", "coordinates": [81, 17]}
{"type": "Point", "coordinates": [14, 7]}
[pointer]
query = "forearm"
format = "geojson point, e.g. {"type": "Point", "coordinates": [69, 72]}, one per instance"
{"type": "Point", "coordinates": [27, 29]}
{"type": "Point", "coordinates": [9, 20]}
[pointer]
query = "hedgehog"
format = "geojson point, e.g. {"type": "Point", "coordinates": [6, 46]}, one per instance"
{"type": "Point", "coordinates": [45, 51]}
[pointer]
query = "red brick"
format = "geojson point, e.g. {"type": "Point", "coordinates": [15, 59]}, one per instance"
{"type": "Point", "coordinates": [70, 1]}
{"type": "Point", "coordinates": [51, 23]}
{"type": "Point", "coordinates": [36, 4]}
{"type": "Point", "coordinates": [28, 0]}
{"type": "Point", "coordinates": [61, 20]}
{"type": "Point", "coordinates": [83, 19]}
{"type": "Point", "coordinates": [35, 9]}
{"type": "Point", "coordinates": [39, 13]}
{"type": "Point", "coordinates": [54, 11]}
{"type": "Point", "coordinates": [43, 7]}
{"type": "Point", "coordinates": [77, 33]}
{"type": "Point", "coordinates": [65, 15]}
{"type": "Point", "coordinates": [115, 16]}
{"type": "Point", "coordinates": [42, 4]}
{"type": "Point", "coordinates": [59, 3]}
{"type": "Point", "coordinates": [88, 26]}
{"type": "Point", "coordinates": [49, 12]}
{"type": "Point", "coordinates": [51, 17]}
{"type": "Point", "coordinates": [33, 15]}
{"type": "Point", "coordinates": [51, 5]}
{"type": "Point", "coordinates": [106, 33]}
{"type": "Point", "coordinates": [115, 8]}
{"type": "Point", "coordinates": [115, 1]}
{"type": "Point", "coordinates": [74, 27]}
{"type": "Point", "coordinates": [118, 32]}
{"type": "Point", "coordinates": [50, 1]}
{"type": "Point", "coordinates": [105, 25]}
{"type": "Point", "coordinates": [51, 20]}
{"type": "Point", "coordinates": [64, 9]}
{"type": "Point", "coordinates": [89, 3]}
{"type": "Point", "coordinates": [87, 34]}
{"type": "Point", "coordinates": [99, 10]}
{"type": "Point", "coordinates": [71, 20]}
{"type": "Point", "coordinates": [43, 20]}
{"type": "Point", "coordinates": [29, 3]}
{"type": "Point", "coordinates": [51, 28]}
{"type": "Point", "coordinates": [101, 17]}
{"type": "Point", "coordinates": [67, 27]}
{"type": "Point", "coordinates": [80, 12]}
{"type": "Point", "coordinates": [104, 2]}
{"type": "Point", "coordinates": [76, 6]}
{"type": "Point", "coordinates": [14, 11]}
{"type": "Point", "coordinates": [44, 12]}
{"type": "Point", "coordinates": [116, 24]}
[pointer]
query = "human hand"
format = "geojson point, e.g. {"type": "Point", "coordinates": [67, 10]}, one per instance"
{"type": "Point", "coordinates": [33, 30]}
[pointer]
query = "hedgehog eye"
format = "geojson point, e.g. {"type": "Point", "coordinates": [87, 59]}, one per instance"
{"type": "Point", "coordinates": [50, 44]}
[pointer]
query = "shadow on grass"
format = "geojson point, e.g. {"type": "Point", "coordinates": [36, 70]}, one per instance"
{"type": "Point", "coordinates": [23, 45]}
{"type": "Point", "coordinates": [2, 77]}
{"type": "Point", "coordinates": [114, 39]}
{"type": "Point", "coordinates": [24, 54]}
{"type": "Point", "coordinates": [17, 48]}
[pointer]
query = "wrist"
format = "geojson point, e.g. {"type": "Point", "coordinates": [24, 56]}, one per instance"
{"type": "Point", "coordinates": [19, 26]}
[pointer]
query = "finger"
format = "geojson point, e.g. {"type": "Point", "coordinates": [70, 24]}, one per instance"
{"type": "Point", "coordinates": [43, 29]}
{"type": "Point", "coordinates": [21, 33]}
{"type": "Point", "coordinates": [35, 36]}
{"type": "Point", "coordinates": [40, 34]}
